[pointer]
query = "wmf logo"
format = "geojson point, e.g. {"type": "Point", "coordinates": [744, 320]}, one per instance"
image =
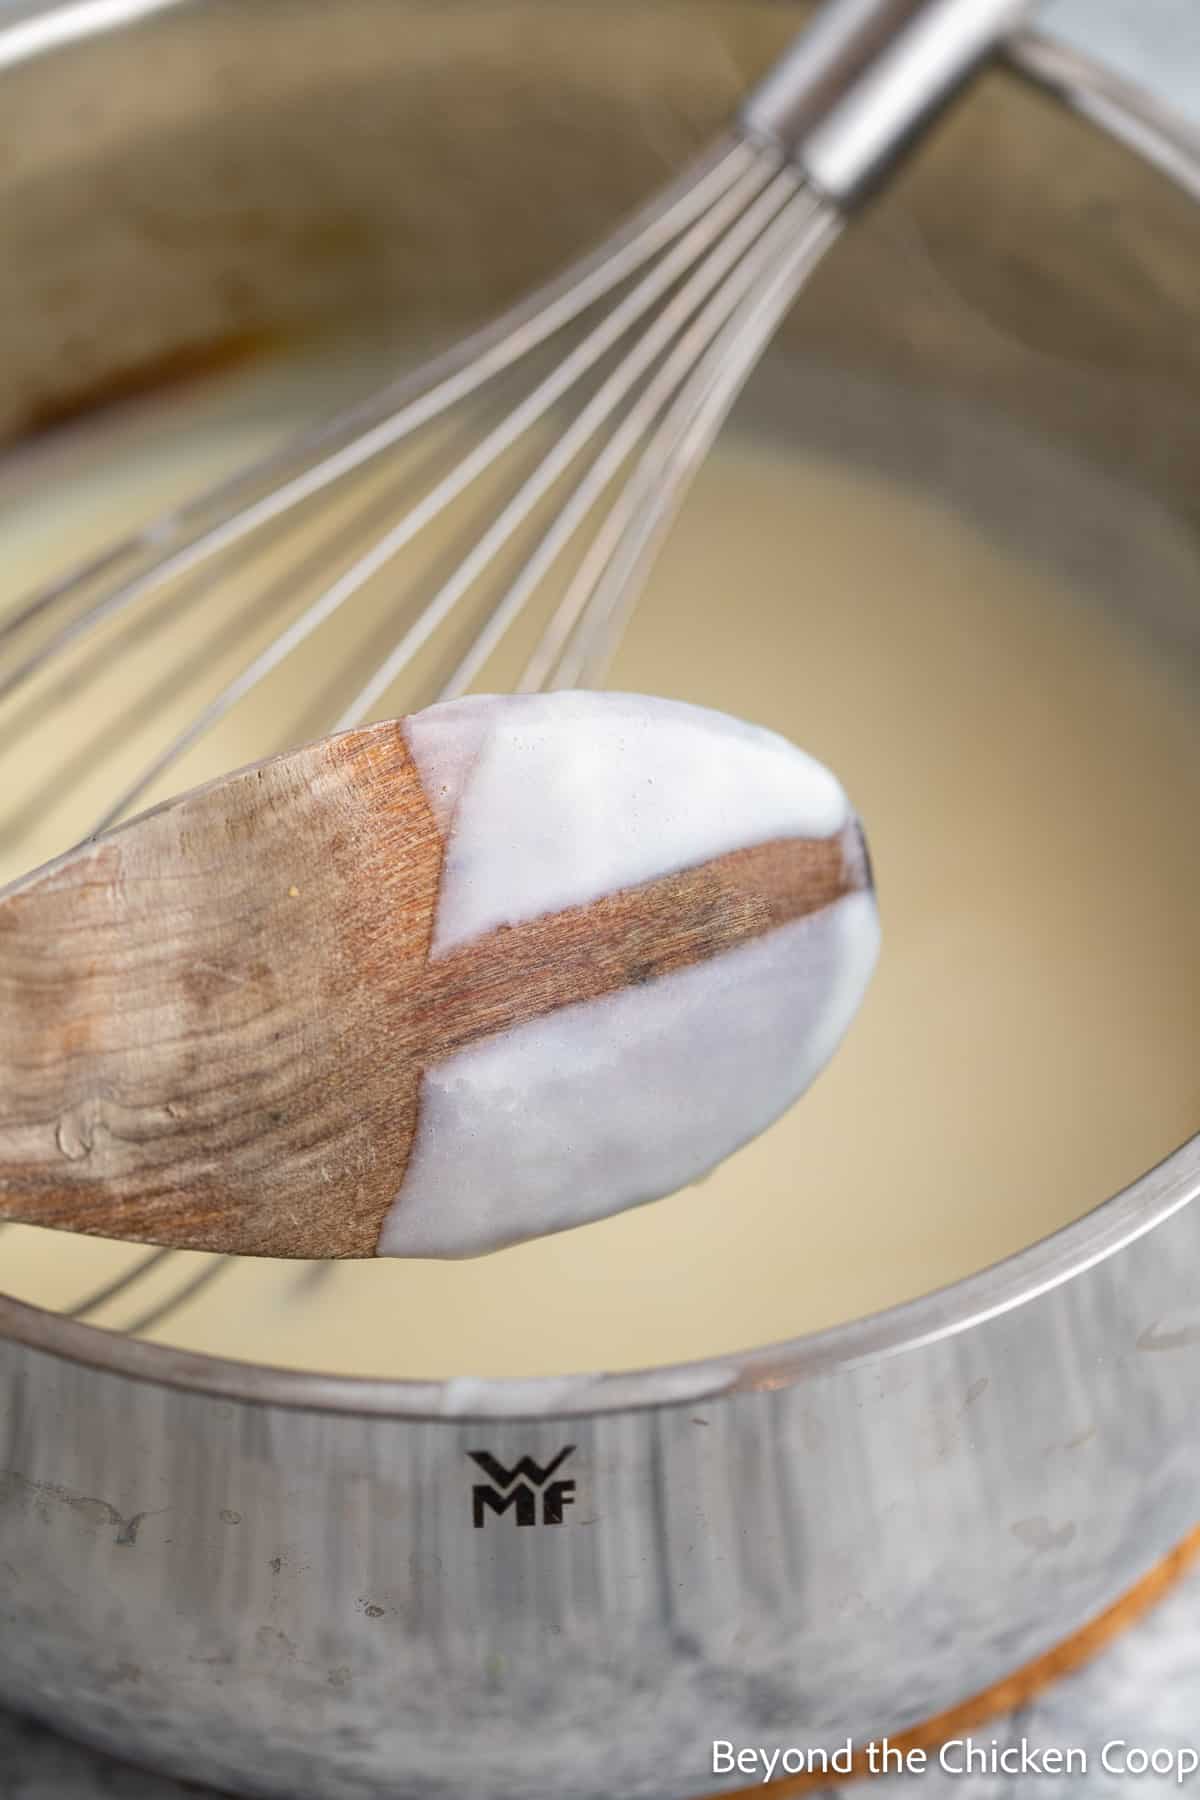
{"type": "Point", "coordinates": [519, 1488]}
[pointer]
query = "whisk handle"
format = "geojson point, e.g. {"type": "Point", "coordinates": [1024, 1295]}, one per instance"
{"type": "Point", "coordinates": [865, 75]}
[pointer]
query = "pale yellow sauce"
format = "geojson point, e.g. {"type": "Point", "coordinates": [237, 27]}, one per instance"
{"type": "Point", "coordinates": [1030, 783]}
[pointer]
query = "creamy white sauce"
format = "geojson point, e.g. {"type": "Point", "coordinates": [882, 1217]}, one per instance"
{"type": "Point", "coordinates": [551, 801]}
{"type": "Point", "coordinates": [603, 1106]}
{"type": "Point", "coordinates": [1029, 779]}
{"type": "Point", "coordinates": [561, 798]}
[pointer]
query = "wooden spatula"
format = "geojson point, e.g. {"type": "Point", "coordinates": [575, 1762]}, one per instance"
{"type": "Point", "coordinates": [431, 987]}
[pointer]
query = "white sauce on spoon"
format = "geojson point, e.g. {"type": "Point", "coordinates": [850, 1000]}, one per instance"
{"type": "Point", "coordinates": [571, 796]}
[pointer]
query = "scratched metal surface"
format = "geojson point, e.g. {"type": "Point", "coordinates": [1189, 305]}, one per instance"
{"type": "Point", "coordinates": [1145, 1688]}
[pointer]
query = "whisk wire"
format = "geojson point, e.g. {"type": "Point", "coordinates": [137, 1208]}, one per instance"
{"type": "Point", "coordinates": [601, 339]}
{"type": "Point", "coordinates": [619, 557]}
{"type": "Point", "coordinates": [667, 468]}
{"type": "Point", "coordinates": [224, 514]}
{"type": "Point", "coordinates": [648, 347]}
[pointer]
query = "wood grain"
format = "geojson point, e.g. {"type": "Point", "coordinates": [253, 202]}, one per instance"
{"type": "Point", "coordinates": [214, 1020]}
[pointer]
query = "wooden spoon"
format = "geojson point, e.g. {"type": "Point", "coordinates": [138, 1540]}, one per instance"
{"type": "Point", "coordinates": [430, 987]}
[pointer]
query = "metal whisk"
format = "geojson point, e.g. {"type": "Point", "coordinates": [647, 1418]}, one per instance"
{"type": "Point", "coordinates": [557, 497]}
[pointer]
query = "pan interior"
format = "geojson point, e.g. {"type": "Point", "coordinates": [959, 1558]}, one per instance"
{"type": "Point", "coordinates": [945, 545]}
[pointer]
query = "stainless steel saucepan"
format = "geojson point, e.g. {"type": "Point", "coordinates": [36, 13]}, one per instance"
{"type": "Point", "coordinates": [319, 1587]}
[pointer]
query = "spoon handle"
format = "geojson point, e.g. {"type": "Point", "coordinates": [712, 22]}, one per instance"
{"type": "Point", "coordinates": [194, 1010]}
